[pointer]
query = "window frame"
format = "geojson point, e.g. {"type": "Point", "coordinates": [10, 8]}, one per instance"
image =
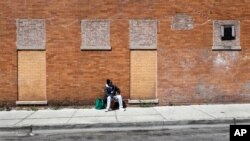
{"type": "Point", "coordinates": [230, 45]}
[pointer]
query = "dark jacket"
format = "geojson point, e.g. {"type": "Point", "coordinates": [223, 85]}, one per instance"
{"type": "Point", "coordinates": [111, 90]}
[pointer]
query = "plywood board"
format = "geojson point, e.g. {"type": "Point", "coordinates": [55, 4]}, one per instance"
{"type": "Point", "coordinates": [31, 75]}
{"type": "Point", "coordinates": [143, 75]}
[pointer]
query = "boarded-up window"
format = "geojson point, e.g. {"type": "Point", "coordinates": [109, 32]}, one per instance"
{"type": "Point", "coordinates": [32, 76]}
{"type": "Point", "coordinates": [182, 21]}
{"type": "Point", "coordinates": [143, 34]}
{"type": "Point", "coordinates": [95, 35]}
{"type": "Point", "coordinates": [31, 34]}
{"type": "Point", "coordinates": [143, 72]}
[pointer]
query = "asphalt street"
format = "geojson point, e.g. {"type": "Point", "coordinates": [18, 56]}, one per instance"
{"type": "Point", "coordinates": [174, 133]}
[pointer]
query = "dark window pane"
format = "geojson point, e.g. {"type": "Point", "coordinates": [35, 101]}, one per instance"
{"type": "Point", "coordinates": [228, 33]}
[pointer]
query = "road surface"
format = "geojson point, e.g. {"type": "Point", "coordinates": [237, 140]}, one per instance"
{"type": "Point", "coordinates": [176, 133]}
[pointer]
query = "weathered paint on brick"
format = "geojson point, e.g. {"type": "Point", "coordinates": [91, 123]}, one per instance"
{"type": "Point", "coordinates": [182, 21]}
{"type": "Point", "coordinates": [218, 44]}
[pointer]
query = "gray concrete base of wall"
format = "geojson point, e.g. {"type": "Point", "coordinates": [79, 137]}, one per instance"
{"type": "Point", "coordinates": [152, 101]}
{"type": "Point", "coordinates": [31, 102]}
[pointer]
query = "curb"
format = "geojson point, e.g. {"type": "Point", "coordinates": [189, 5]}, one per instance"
{"type": "Point", "coordinates": [115, 126]}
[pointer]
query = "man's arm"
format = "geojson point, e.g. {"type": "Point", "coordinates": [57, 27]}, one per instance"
{"type": "Point", "coordinates": [107, 92]}
{"type": "Point", "coordinates": [116, 90]}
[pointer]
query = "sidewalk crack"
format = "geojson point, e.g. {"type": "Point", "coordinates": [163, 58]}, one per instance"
{"type": "Point", "coordinates": [72, 116]}
{"type": "Point", "coordinates": [204, 112]}
{"type": "Point", "coordinates": [25, 117]}
{"type": "Point", "coordinates": [164, 119]}
{"type": "Point", "coordinates": [160, 114]}
{"type": "Point", "coordinates": [116, 117]}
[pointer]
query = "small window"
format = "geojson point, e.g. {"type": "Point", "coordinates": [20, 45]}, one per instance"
{"type": "Point", "coordinates": [227, 33]}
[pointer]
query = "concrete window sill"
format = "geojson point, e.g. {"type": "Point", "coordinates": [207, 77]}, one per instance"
{"type": "Point", "coordinates": [152, 101]}
{"type": "Point", "coordinates": [226, 48]}
{"type": "Point", "coordinates": [31, 102]}
{"type": "Point", "coordinates": [105, 48]}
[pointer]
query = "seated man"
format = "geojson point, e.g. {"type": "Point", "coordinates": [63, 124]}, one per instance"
{"type": "Point", "coordinates": [112, 92]}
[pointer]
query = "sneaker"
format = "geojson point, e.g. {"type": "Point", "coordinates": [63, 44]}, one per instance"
{"type": "Point", "coordinates": [122, 109]}
{"type": "Point", "coordinates": [107, 110]}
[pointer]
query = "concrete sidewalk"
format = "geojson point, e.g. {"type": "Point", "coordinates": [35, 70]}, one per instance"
{"type": "Point", "coordinates": [152, 116]}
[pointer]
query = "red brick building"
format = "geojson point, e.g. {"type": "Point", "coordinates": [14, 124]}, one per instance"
{"type": "Point", "coordinates": [176, 51]}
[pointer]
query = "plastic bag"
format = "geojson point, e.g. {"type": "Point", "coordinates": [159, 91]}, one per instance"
{"type": "Point", "coordinates": [99, 104]}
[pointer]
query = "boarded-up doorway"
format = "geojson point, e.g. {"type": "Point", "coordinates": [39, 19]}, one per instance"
{"type": "Point", "coordinates": [31, 77]}
{"type": "Point", "coordinates": [143, 75]}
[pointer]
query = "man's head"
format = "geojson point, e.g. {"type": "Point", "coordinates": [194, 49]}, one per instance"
{"type": "Point", "coordinates": [109, 82]}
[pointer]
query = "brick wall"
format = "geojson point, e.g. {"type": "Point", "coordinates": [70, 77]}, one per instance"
{"type": "Point", "coordinates": [188, 70]}
{"type": "Point", "coordinates": [8, 56]}
{"type": "Point", "coordinates": [72, 75]}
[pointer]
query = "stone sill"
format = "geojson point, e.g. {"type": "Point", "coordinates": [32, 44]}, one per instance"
{"type": "Point", "coordinates": [152, 101]}
{"type": "Point", "coordinates": [31, 102]}
{"type": "Point", "coordinates": [29, 49]}
{"type": "Point", "coordinates": [226, 48]}
{"type": "Point", "coordinates": [143, 48]}
{"type": "Point", "coordinates": [106, 48]}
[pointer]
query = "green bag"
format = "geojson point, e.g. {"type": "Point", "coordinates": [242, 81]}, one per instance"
{"type": "Point", "coordinates": [99, 104]}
